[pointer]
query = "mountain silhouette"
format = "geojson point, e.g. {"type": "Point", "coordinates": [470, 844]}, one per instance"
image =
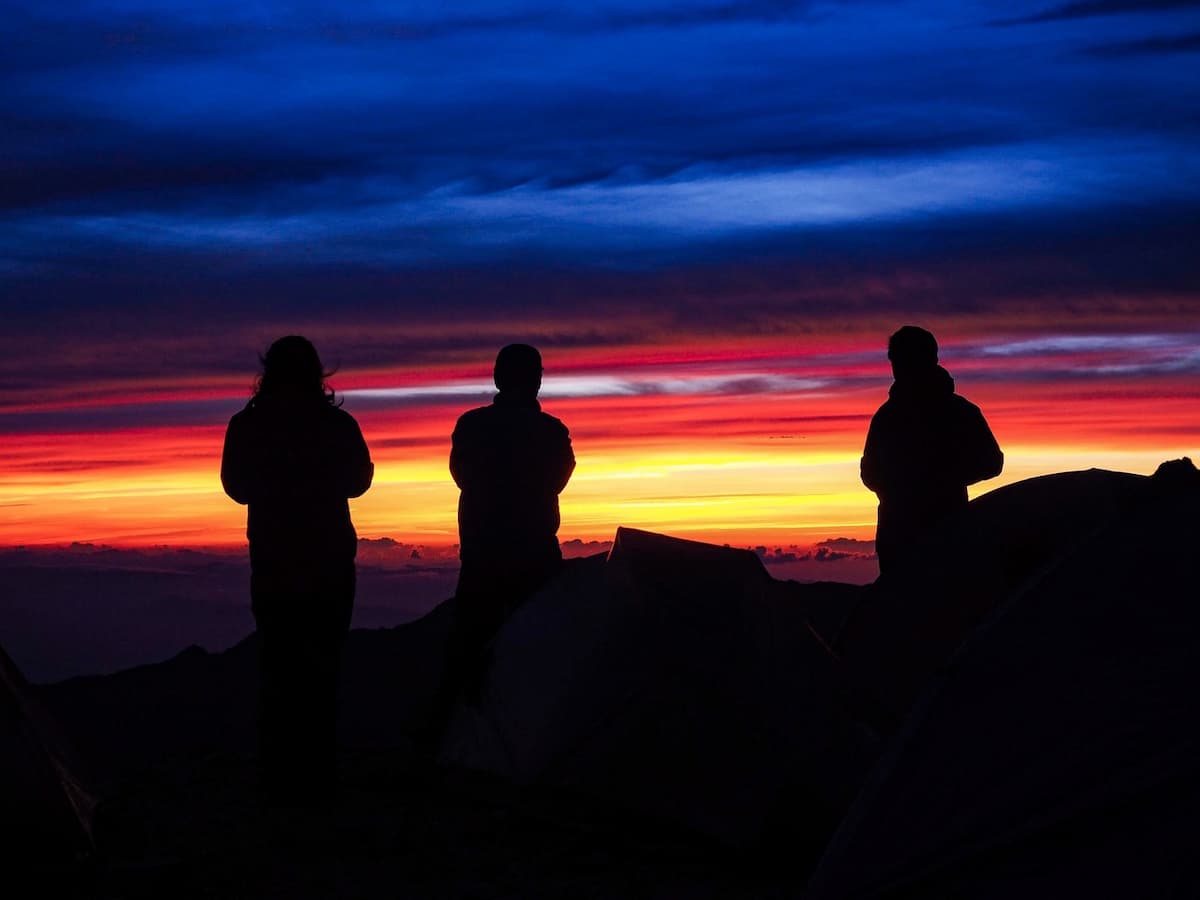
{"type": "Point", "coordinates": [1009, 713]}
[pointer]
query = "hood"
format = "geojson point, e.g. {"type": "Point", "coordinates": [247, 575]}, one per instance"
{"type": "Point", "coordinates": [935, 382]}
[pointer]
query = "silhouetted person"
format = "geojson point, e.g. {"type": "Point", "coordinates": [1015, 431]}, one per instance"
{"type": "Point", "coordinates": [511, 461]}
{"type": "Point", "coordinates": [924, 446]}
{"type": "Point", "coordinates": [295, 457]}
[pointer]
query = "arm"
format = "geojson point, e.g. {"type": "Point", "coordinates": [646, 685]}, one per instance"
{"type": "Point", "coordinates": [459, 463]}
{"type": "Point", "coordinates": [237, 470]}
{"type": "Point", "coordinates": [869, 468]}
{"type": "Point", "coordinates": [564, 464]}
{"type": "Point", "coordinates": [982, 457]}
{"type": "Point", "coordinates": [359, 468]}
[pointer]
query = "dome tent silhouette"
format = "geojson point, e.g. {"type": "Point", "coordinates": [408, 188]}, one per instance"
{"type": "Point", "coordinates": [46, 817]}
{"type": "Point", "coordinates": [1057, 752]}
{"type": "Point", "coordinates": [674, 678]}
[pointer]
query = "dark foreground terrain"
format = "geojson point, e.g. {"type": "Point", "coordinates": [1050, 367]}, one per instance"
{"type": "Point", "coordinates": [402, 828]}
{"type": "Point", "coordinates": [1011, 715]}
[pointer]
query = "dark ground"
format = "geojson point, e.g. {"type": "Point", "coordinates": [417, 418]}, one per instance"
{"type": "Point", "coordinates": [170, 748]}
{"type": "Point", "coordinates": [1040, 688]}
{"type": "Point", "coordinates": [402, 828]}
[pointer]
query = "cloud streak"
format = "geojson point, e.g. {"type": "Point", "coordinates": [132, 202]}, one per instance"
{"type": "Point", "coordinates": [689, 209]}
{"type": "Point", "coordinates": [1150, 46]}
{"type": "Point", "coordinates": [1092, 8]}
{"type": "Point", "coordinates": [594, 386]}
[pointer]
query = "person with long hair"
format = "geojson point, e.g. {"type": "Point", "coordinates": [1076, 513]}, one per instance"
{"type": "Point", "coordinates": [294, 457]}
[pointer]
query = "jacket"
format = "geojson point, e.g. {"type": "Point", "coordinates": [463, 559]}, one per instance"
{"type": "Point", "coordinates": [295, 462]}
{"type": "Point", "coordinates": [924, 446]}
{"type": "Point", "coordinates": [510, 461]}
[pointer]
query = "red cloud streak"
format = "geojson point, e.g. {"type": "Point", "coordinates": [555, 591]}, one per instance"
{"type": "Point", "coordinates": [753, 441]}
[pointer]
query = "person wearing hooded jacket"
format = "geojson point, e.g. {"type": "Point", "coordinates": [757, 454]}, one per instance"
{"type": "Point", "coordinates": [925, 445]}
{"type": "Point", "coordinates": [510, 461]}
{"type": "Point", "coordinates": [294, 457]}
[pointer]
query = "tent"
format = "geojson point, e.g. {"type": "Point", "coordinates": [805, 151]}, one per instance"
{"type": "Point", "coordinates": [673, 678]}
{"type": "Point", "coordinates": [908, 624]}
{"type": "Point", "coordinates": [45, 812]}
{"type": "Point", "coordinates": [1058, 753]}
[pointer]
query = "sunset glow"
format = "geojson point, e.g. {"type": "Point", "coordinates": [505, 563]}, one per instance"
{"type": "Point", "coordinates": [709, 216]}
{"type": "Point", "coordinates": [758, 449]}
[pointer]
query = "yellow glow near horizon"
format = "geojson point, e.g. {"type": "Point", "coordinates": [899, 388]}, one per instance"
{"type": "Point", "coordinates": [712, 494]}
{"type": "Point", "coordinates": [763, 468]}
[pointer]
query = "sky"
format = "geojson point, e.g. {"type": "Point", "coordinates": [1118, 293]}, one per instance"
{"type": "Point", "coordinates": [709, 216]}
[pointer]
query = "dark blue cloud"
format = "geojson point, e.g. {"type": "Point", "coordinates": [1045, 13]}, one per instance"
{"type": "Point", "coordinates": [131, 168]}
{"type": "Point", "coordinates": [1150, 46]}
{"type": "Point", "coordinates": [230, 155]}
{"type": "Point", "coordinates": [1092, 8]}
{"type": "Point", "coordinates": [165, 315]}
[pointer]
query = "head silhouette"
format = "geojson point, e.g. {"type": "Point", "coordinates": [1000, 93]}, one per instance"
{"type": "Point", "coordinates": [519, 370]}
{"type": "Point", "coordinates": [913, 351]}
{"type": "Point", "coordinates": [292, 366]}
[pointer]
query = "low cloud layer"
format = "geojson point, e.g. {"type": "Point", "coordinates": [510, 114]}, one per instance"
{"type": "Point", "coordinates": [826, 551]}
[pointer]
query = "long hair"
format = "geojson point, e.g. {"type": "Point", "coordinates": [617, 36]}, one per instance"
{"type": "Point", "coordinates": [292, 364]}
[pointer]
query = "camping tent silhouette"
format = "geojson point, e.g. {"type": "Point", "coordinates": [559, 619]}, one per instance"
{"type": "Point", "coordinates": [45, 819]}
{"type": "Point", "coordinates": [1058, 752]}
{"type": "Point", "coordinates": [1042, 680]}
{"type": "Point", "coordinates": [908, 624]}
{"type": "Point", "coordinates": [671, 677]}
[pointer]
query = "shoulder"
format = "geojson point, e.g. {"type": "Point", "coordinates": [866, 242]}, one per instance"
{"type": "Point", "coordinates": [243, 418]}
{"type": "Point", "coordinates": [478, 414]}
{"type": "Point", "coordinates": [552, 424]}
{"type": "Point", "coordinates": [964, 407]}
{"type": "Point", "coordinates": [474, 419]}
{"type": "Point", "coordinates": [326, 418]}
{"type": "Point", "coordinates": [888, 410]}
{"type": "Point", "coordinates": [340, 416]}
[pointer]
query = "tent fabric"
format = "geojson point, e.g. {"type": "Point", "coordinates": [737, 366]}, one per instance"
{"type": "Point", "coordinates": [45, 811]}
{"type": "Point", "coordinates": [908, 624]}
{"type": "Point", "coordinates": [1058, 754]}
{"type": "Point", "coordinates": [672, 678]}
